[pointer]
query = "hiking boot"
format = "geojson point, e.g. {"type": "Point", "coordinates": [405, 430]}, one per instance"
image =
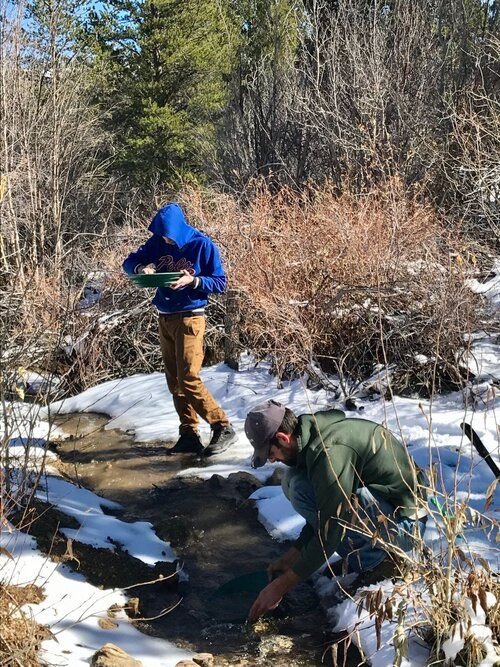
{"type": "Point", "coordinates": [223, 436]}
{"type": "Point", "coordinates": [337, 569]}
{"type": "Point", "coordinates": [188, 442]}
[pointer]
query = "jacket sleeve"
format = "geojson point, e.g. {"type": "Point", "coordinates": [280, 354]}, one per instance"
{"type": "Point", "coordinates": [212, 278]}
{"type": "Point", "coordinates": [142, 256]}
{"type": "Point", "coordinates": [333, 493]}
{"type": "Point", "coordinates": [306, 534]}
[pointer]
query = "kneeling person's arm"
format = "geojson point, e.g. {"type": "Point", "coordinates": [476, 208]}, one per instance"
{"type": "Point", "coordinates": [271, 595]}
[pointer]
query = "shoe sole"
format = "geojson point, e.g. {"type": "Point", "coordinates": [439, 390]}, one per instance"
{"type": "Point", "coordinates": [210, 451]}
{"type": "Point", "coordinates": [198, 449]}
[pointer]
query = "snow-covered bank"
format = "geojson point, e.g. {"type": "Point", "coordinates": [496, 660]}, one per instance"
{"type": "Point", "coordinates": [431, 430]}
{"type": "Point", "coordinates": [73, 609]}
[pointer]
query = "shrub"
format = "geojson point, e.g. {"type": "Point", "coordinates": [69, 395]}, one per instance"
{"type": "Point", "coordinates": [350, 282]}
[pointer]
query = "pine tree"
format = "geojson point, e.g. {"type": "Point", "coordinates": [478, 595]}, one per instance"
{"type": "Point", "coordinates": [164, 65]}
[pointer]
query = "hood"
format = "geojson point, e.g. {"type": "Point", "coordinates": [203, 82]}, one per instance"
{"type": "Point", "coordinates": [170, 221]}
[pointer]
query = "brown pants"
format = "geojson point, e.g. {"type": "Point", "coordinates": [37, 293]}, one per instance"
{"type": "Point", "coordinates": [181, 341]}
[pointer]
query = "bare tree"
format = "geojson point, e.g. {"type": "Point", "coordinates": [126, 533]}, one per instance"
{"type": "Point", "coordinates": [472, 162]}
{"type": "Point", "coordinates": [50, 140]}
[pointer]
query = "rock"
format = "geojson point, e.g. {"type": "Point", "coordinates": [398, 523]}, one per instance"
{"type": "Point", "coordinates": [243, 483]}
{"type": "Point", "coordinates": [175, 484]}
{"type": "Point", "coordinates": [107, 624]}
{"type": "Point", "coordinates": [204, 659]}
{"type": "Point", "coordinates": [110, 655]}
{"type": "Point", "coordinates": [186, 663]}
{"type": "Point", "coordinates": [216, 481]}
{"type": "Point", "coordinates": [350, 404]}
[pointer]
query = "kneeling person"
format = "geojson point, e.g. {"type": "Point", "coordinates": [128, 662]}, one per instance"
{"type": "Point", "coordinates": [350, 479]}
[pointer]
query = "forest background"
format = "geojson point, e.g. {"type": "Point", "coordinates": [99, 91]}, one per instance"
{"type": "Point", "coordinates": [344, 155]}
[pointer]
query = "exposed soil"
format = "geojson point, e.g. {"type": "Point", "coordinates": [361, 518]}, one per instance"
{"type": "Point", "coordinates": [212, 527]}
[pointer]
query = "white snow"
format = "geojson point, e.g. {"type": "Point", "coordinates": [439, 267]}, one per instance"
{"type": "Point", "coordinates": [99, 529]}
{"type": "Point", "coordinates": [490, 288]}
{"type": "Point", "coordinates": [72, 609]}
{"type": "Point", "coordinates": [141, 404]}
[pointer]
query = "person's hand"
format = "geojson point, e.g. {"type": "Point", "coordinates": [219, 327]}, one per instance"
{"type": "Point", "coordinates": [147, 269]}
{"type": "Point", "coordinates": [185, 280]}
{"type": "Point", "coordinates": [270, 597]}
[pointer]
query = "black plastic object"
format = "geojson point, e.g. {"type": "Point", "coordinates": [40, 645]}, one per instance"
{"type": "Point", "coordinates": [478, 444]}
{"type": "Point", "coordinates": [231, 602]}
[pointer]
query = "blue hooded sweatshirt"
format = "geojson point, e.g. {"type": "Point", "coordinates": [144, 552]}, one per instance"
{"type": "Point", "coordinates": [192, 251]}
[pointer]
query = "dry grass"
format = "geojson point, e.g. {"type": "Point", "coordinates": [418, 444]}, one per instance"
{"type": "Point", "coordinates": [349, 281]}
{"type": "Point", "coordinates": [447, 599]}
{"type": "Point", "coordinates": [20, 637]}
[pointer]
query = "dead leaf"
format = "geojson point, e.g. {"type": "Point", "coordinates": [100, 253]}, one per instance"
{"type": "Point", "coordinates": [489, 493]}
{"type": "Point", "coordinates": [133, 606]}
{"type": "Point", "coordinates": [485, 564]}
{"type": "Point", "coordinates": [378, 631]}
{"type": "Point", "coordinates": [69, 555]}
{"type": "Point", "coordinates": [114, 610]}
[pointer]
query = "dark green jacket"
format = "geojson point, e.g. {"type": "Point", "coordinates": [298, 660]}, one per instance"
{"type": "Point", "coordinates": [338, 456]}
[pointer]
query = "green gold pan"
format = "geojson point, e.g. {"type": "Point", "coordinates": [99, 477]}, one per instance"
{"type": "Point", "coordinates": [155, 279]}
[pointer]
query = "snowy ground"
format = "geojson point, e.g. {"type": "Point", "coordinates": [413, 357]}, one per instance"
{"type": "Point", "coordinates": [141, 404]}
{"type": "Point", "coordinates": [73, 609]}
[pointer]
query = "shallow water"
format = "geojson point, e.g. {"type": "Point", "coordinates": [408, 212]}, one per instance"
{"type": "Point", "coordinates": [214, 530]}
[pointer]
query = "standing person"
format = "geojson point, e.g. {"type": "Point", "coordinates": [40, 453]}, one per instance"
{"type": "Point", "coordinates": [351, 480]}
{"type": "Point", "coordinates": [176, 246]}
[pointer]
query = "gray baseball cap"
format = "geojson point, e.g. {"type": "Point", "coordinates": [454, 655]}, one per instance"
{"type": "Point", "coordinates": [261, 425]}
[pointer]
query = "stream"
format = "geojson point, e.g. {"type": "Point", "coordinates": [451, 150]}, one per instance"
{"type": "Point", "coordinates": [213, 529]}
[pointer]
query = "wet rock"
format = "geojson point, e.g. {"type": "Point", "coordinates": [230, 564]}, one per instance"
{"type": "Point", "coordinates": [244, 482]}
{"type": "Point", "coordinates": [204, 659]}
{"type": "Point", "coordinates": [237, 486]}
{"type": "Point", "coordinates": [177, 484]}
{"type": "Point", "coordinates": [111, 655]}
{"type": "Point", "coordinates": [216, 482]}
